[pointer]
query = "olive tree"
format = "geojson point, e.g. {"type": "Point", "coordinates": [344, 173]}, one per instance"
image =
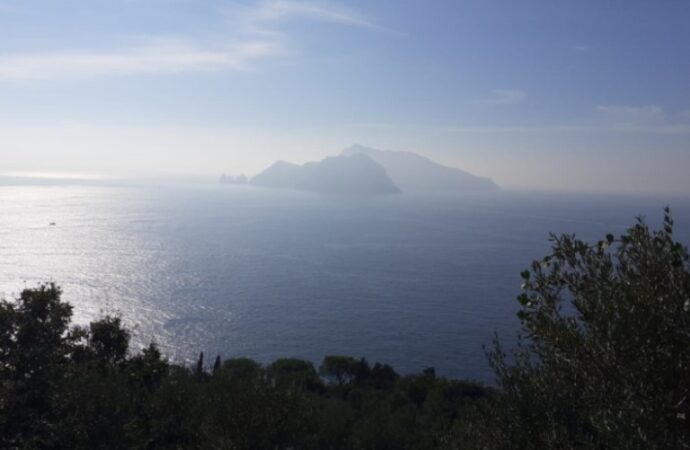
{"type": "Point", "coordinates": [603, 360]}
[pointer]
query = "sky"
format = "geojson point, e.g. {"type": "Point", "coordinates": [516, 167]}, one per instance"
{"type": "Point", "coordinates": [574, 95]}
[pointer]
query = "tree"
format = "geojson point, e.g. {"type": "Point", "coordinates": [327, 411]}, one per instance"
{"type": "Point", "coordinates": [295, 372]}
{"type": "Point", "coordinates": [383, 376]}
{"type": "Point", "coordinates": [109, 341]}
{"type": "Point", "coordinates": [339, 369]}
{"type": "Point", "coordinates": [35, 349]}
{"type": "Point", "coordinates": [604, 356]}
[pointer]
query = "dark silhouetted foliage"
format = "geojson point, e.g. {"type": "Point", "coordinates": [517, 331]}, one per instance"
{"type": "Point", "coordinates": [81, 388]}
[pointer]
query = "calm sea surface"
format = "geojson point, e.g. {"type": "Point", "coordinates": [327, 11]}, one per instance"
{"type": "Point", "coordinates": [411, 281]}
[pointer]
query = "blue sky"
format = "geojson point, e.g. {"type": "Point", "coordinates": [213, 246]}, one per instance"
{"type": "Point", "coordinates": [558, 94]}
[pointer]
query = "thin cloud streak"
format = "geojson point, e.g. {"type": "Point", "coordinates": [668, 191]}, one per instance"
{"type": "Point", "coordinates": [279, 10]}
{"type": "Point", "coordinates": [159, 57]}
{"type": "Point", "coordinates": [631, 115]}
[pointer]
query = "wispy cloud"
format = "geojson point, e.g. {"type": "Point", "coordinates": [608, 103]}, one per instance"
{"type": "Point", "coordinates": [641, 119]}
{"type": "Point", "coordinates": [254, 34]}
{"type": "Point", "coordinates": [282, 10]}
{"type": "Point", "coordinates": [159, 56]}
{"type": "Point", "coordinates": [631, 115]}
{"type": "Point", "coordinates": [503, 97]}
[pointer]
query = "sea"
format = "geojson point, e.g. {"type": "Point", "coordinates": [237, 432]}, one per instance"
{"type": "Point", "coordinates": [414, 281]}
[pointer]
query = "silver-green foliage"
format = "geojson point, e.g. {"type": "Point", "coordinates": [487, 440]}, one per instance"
{"type": "Point", "coordinates": [603, 360]}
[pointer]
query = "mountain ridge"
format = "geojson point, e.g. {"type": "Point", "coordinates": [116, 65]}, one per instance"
{"type": "Point", "coordinates": [412, 172]}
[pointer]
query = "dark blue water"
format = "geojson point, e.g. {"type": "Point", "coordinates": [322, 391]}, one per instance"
{"type": "Point", "coordinates": [412, 281]}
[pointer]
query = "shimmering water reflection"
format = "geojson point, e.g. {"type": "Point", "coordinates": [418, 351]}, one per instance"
{"type": "Point", "coordinates": [413, 281]}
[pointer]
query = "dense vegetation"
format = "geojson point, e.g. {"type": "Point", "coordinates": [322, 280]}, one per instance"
{"type": "Point", "coordinates": [79, 388]}
{"type": "Point", "coordinates": [603, 362]}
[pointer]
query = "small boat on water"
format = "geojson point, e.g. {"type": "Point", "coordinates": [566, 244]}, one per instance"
{"type": "Point", "coordinates": [52, 224]}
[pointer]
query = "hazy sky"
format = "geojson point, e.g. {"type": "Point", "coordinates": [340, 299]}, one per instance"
{"type": "Point", "coordinates": [566, 94]}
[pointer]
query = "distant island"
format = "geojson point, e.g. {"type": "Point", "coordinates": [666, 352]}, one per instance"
{"type": "Point", "coordinates": [345, 174]}
{"type": "Point", "coordinates": [227, 179]}
{"type": "Point", "coordinates": [360, 170]}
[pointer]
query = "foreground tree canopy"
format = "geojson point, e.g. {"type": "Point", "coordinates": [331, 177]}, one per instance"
{"type": "Point", "coordinates": [603, 362]}
{"type": "Point", "coordinates": [604, 356]}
